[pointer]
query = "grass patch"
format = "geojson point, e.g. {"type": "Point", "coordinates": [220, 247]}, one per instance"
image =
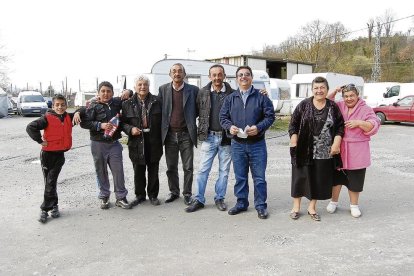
{"type": "Point", "coordinates": [281, 123]}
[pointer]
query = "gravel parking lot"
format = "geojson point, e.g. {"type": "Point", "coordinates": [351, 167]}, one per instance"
{"type": "Point", "coordinates": [150, 240]}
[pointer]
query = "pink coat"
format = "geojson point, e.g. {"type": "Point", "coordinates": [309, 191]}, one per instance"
{"type": "Point", "coordinates": [355, 149]}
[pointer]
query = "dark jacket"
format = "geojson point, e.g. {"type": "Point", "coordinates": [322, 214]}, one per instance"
{"type": "Point", "coordinates": [302, 123]}
{"type": "Point", "coordinates": [190, 109]}
{"type": "Point", "coordinates": [204, 107]}
{"type": "Point", "coordinates": [98, 113]}
{"type": "Point", "coordinates": [131, 117]}
{"type": "Point", "coordinates": [258, 111]}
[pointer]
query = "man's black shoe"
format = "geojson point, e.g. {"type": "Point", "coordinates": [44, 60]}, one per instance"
{"type": "Point", "coordinates": [171, 197]}
{"type": "Point", "coordinates": [236, 210]}
{"type": "Point", "coordinates": [262, 213]}
{"type": "Point", "coordinates": [55, 212]}
{"type": "Point", "coordinates": [138, 200]}
{"type": "Point", "coordinates": [43, 216]}
{"type": "Point", "coordinates": [154, 201]}
{"type": "Point", "coordinates": [195, 205]}
{"type": "Point", "coordinates": [187, 200]}
{"type": "Point", "coordinates": [221, 205]}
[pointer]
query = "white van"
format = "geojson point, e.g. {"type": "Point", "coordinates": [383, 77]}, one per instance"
{"type": "Point", "coordinates": [397, 92]}
{"type": "Point", "coordinates": [374, 92]}
{"type": "Point", "coordinates": [280, 96]}
{"type": "Point", "coordinates": [31, 103]}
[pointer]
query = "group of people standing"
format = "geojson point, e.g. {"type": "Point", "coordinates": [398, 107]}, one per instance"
{"type": "Point", "coordinates": [231, 124]}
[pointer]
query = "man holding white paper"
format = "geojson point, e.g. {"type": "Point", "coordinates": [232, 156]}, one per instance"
{"type": "Point", "coordinates": [246, 115]}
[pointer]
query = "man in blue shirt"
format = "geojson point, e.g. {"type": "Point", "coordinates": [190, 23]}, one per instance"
{"type": "Point", "coordinates": [246, 115]}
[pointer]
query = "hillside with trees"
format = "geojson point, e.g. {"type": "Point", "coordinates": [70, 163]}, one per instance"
{"type": "Point", "coordinates": [328, 46]}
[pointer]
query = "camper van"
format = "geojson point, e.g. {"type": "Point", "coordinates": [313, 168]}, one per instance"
{"type": "Point", "coordinates": [82, 98]}
{"type": "Point", "coordinates": [301, 84]}
{"type": "Point", "coordinates": [197, 74]}
{"type": "Point", "coordinates": [31, 103]}
{"type": "Point", "coordinates": [280, 96]}
{"type": "Point", "coordinates": [373, 92]}
{"type": "Point", "coordinates": [397, 92]}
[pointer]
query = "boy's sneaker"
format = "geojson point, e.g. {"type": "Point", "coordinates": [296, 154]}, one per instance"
{"type": "Point", "coordinates": [55, 212]}
{"type": "Point", "coordinates": [331, 208]}
{"type": "Point", "coordinates": [43, 216]}
{"type": "Point", "coordinates": [123, 203]}
{"type": "Point", "coordinates": [355, 212]}
{"type": "Point", "coordinates": [105, 203]}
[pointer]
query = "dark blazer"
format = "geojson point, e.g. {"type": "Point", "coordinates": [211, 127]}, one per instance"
{"type": "Point", "coordinates": [190, 109]}
{"type": "Point", "coordinates": [131, 117]}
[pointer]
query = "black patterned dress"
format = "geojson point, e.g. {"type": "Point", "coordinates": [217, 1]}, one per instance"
{"type": "Point", "coordinates": [312, 165]}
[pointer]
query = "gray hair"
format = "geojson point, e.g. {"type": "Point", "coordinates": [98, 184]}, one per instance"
{"type": "Point", "coordinates": [142, 78]}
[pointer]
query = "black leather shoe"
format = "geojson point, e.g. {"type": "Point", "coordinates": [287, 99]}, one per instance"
{"type": "Point", "coordinates": [236, 210]}
{"type": "Point", "coordinates": [195, 205]}
{"type": "Point", "coordinates": [154, 201]}
{"type": "Point", "coordinates": [171, 198]}
{"type": "Point", "coordinates": [221, 205]}
{"type": "Point", "coordinates": [187, 200]}
{"type": "Point", "coordinates": [138, 200]}
{"type": "Point", "coordinates": [262, 213]}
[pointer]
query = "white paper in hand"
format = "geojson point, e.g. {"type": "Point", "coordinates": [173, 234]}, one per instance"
{"type": "Point", "coordinates": [242, 133]}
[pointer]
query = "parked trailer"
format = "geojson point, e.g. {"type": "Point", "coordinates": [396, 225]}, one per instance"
{"type": "Point", "coordinates": [196, 74]}
{"type": "Point", "coordinates": [301, 84]}
{"type": "Point", "coordinates": [281, 96]}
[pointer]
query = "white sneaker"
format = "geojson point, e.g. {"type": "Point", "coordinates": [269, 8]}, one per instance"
{"type": "Point", "coordinates": [355, 212]}
{"type": "Point", "coordinates": [331, 208]}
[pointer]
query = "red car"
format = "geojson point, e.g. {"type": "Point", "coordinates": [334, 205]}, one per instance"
{"type": "Point", "coordinates": [400, 111]}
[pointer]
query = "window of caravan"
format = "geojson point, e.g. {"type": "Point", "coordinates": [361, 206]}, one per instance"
{"type": "Point", "coordinates": [32, 99]}
{"type": "Point", "coordinates": [259, 85]}
{"type": "Point", "coordinates": [194, 80]}
{"type": "Point", "coordinates": [303, 90]}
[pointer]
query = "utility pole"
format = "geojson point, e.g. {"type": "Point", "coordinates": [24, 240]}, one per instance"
{"type": "Point", "coordinates": [41, 90]}
{"type": "Point", "coordinates": [79, 86]}
{"type": "Point", "coordinates": [376, 67]}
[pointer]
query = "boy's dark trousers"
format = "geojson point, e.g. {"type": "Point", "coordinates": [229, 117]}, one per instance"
{"type": "Point", "coordinates": [51, 162]}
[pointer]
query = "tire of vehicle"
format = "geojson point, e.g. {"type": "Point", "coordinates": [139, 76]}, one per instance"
{"type": "Point", "coordinates": [381, 116]}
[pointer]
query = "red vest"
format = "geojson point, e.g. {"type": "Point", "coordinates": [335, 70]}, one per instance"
{"type": "Point", "coordinates": [57, 134]}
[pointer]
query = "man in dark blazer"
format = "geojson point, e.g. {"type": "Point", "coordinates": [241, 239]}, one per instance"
{"type": "Point", "coordinates": [179, 130]}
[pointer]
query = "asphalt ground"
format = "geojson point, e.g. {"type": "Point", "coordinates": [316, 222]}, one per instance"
{"type": "Point", "coordinates": [155, 240]}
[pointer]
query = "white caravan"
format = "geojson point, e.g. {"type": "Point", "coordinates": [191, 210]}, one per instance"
{"type": "Point", "coordinates": [82, 98]}
{"type": "Point", "coordinates": [301, 84]}
{"type": "Point", "coordinates": [197, 74]}
{"type": "Point", "coordinates": [373, 92]}
{"type": "Point", "coordinates": [396, 92]}
{"type": "Point", "coordinates": [280, 96]}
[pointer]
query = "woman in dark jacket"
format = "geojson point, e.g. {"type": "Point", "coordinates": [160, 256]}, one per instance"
{"type": "Point", "coordinates": [315, 133]}
{"type": "Point", "coordinates": [141, 117]}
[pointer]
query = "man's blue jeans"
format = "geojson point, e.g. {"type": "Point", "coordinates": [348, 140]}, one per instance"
{"type": "Point", "coordinates": [209, 149]}
{"type": "Point", "coordinates": [253, 156]}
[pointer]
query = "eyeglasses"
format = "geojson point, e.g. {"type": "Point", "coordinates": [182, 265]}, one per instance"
{"type": "Point", "coordinates": [240, 75]}
{"type": "Point", "coordinates": [349, 87]}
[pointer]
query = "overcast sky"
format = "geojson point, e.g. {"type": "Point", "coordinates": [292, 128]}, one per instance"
{"type": "Point", "coordinates": [52, 39]}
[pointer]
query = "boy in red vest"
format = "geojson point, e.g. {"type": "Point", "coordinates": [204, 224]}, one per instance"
{"type": "Point", "coordinates": [57, 138]}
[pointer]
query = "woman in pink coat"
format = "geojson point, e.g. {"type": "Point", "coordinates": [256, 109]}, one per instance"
{"type": "Point", "coordinates": [360, 124]}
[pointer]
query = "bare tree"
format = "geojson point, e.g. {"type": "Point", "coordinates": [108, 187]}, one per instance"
{"type": "Point", "coordinates": [3, 68]}
{"type": "Point", "coordinates": [370, 25]}
{"type": "Point", "coordinates": [388, 19]}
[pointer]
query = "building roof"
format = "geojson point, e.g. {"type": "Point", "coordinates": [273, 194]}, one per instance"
{"type": "Point", "coordinates": [266, 58]}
